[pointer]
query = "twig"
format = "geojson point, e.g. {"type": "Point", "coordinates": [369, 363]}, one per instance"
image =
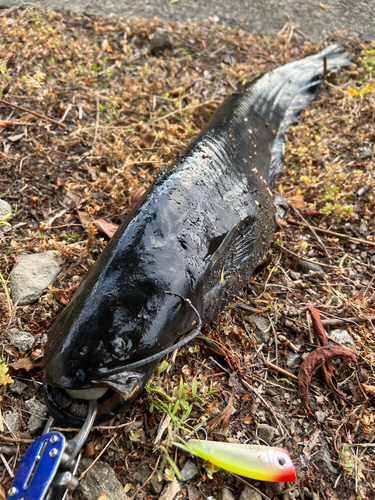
{"type": "Point", "coordinates": [281, 370]}
{"type": "Point", "coordinates": [16, 440]}
{"type": "Point", "coordinates": [269, 276]}
{"type": "Point", "coordinates": [97, 458]}
{"type": "Point", "coordinates": [180, 110]}
{"type": "Point", "coordinates": [6, 465]}
{"type": "Point", "coordinates": [10, 11]}
{"type": "Point", "coordinates": [320, 242]}
{"type": "Point", "coordinates": [264, 402]}
{"type": "Point", "coordinates": [101, 427]}
{"type": "Point", "coordinates": [26, 110]}
{"type": "Point", "coordinates": [333, 233]}
{"type": "Point", "coordinates": [363, 445]}
{"type": "Point", "coordinates": [305, 259]}
{"type": "Point", "coordinates": [339, 321]}
{"type": "Point", "coordinates": [245, 307]}
{"type": "Point", "coordinates": [149, 479]}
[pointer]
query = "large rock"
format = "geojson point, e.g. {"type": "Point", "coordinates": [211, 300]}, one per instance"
{"type": "Point", "coordinates": [33, 274]}
{"type": "Point", "coordinates": [101, 478]}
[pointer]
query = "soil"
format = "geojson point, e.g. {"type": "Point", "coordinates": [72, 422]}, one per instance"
{"type": "Point", "coordinates": [118, 113]}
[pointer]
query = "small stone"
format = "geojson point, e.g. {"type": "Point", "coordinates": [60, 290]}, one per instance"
{"type": "Point", "coordinates": [250, 494]}
{"type": "Point", "coordinates": [100, 479]}
{"type": "Point", "coordinates": [188, 471]}
{"type": "Point", "coordinates": [142, 473]}
{"type": "Point", "coordinates": [372, 260]}
{"type": "Point", "coordinates": [161, 40]}
{"type": "Point", "coordinates": [305, 267]}
{"type": "Point", "coordinates": [44, 339]}
{"type": "Point", "coordinates": [363, 255]}
{"type": "Point", "coordinates": [225, 494]}
{"type": "Point", "coordinates": [320, 416]}
{"type": "Point", "coordinates": [341, 336]}
{"type": "Point", "coordinates": [35, 423]}
{"type": "Point", "coordinates": [13, 421]}
{"type": "Point", "coordinates": [23, 341]}
{"type": "Point", "coordinates": [292, 359]}
{"type": "Point", "coordinates": [266, 432]}
{"type": "Point", "coordinates": [323, 461]}
{"type": "Point", "coordinates": [274, 489]}
{"type": "Point", "coordinates": [363, 189]}
{"type": "Point", "coordinates": [35, 407]}
{"type": "Point", "coordinates": [262, 331]}
{"type": "Point", "coordinates": [17, 387]}
{"type": "Point", "coordinates": [5, 209]}
{"type": "Point", "coordinates": [295, 276]}
{"type": "Point", "coordinates": [33, 274]}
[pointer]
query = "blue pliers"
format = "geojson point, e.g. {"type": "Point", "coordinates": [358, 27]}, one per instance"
{"type": "Point", "coordinates": [47, 470]}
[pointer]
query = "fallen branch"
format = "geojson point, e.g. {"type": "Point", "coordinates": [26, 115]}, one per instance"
{"type": "Point", "coordinates": [332, 233]}
{"type": "Point", "coordinates": [307, 260]}
{"type": "Point", "coordinates": [16, 440]}
{"type": "Point", "coordinates": [340, 321]}
{"type": "Point", "coordinates": [26, 110]}
{"type": "Point", "coordinates": [281, 370]}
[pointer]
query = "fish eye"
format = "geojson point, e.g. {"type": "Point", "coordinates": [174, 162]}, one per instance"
{"type": "Point", "coordinates": [281, 461]}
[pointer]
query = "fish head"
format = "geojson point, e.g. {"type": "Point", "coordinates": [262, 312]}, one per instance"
{"type": "Point", "coordinates": [106, 327]}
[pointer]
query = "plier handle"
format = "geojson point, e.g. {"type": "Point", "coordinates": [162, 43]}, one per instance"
{"type": "Point", "coordinates": [47, 470]}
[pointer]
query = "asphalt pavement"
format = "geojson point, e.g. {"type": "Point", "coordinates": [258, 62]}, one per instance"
{"type": "Point", "coordinates": [313, 17]}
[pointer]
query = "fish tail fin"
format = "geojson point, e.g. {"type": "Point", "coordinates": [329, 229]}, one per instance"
{"type": "Point", "coordinates": [299, 85]}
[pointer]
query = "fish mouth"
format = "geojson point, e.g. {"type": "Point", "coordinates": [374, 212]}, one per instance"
{"type": "Point", "coordinates": [70, 406]}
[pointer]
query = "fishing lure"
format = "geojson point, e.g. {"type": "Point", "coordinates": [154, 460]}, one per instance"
{"type": "Point", "coordinates": [265, 463]}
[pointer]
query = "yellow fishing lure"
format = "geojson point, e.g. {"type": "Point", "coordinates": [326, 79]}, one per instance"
{"type": "Point", "coordinates": [265, 463]}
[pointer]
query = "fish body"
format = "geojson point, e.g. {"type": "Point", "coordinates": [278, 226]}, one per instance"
{"type": "Point", "coordinates": [200, 231]}
{"type": "Point", "coordinates": [264, 463]}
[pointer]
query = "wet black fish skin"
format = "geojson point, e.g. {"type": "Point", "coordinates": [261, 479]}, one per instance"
{"type": "Point", "coordinates": [207, 215]}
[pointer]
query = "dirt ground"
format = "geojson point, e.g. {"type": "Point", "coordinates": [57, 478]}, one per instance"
{"type": "Point", "coordinates": [109, 114]}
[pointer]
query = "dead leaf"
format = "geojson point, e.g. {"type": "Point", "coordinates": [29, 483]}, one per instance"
{"type": "Point", "coordinates": [138, 193]}
{"type": "Point", "coordinates": [33, 360]}
{"type": "Point", "coordinates": [318, 327]}
{"type": "Point", "coordinates": [297, 201]}
{"type": "Point", "coordinates": [223, 418]}
{"type": "Point", "coordinates": [106, 45]}
{"type": "Point", "coordinates": [315, 360]}
{"type": "Point", "coordinates": [102, 496]}
{"type": "Point", "coordinates": [369, 389]}
{"type": "Point", "coordinates": [2, 493]}
{"type": "Point", "coordinates": [247, 420]}
{"type": "Point", "coordinates": [105, 227]}
{"type": "Point", "coordinates": [83, 218]}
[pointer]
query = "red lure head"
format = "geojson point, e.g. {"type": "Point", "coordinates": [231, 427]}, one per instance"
{"type": "Point", "coordinates": [285, 471]}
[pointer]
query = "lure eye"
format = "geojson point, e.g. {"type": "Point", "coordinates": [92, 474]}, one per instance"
{"type": "Point", "coordinates": [281, 461]}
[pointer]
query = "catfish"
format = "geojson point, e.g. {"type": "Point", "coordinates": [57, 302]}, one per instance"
{"type": "Point", "coordinates": [183, 253]}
